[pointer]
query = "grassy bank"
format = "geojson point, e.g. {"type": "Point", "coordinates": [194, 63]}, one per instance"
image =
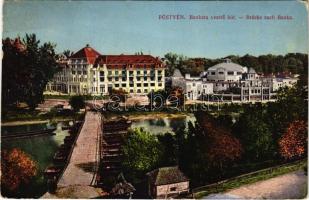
{"type": "Point", "coordinates": [30, 117]}
{"type": "Point", "coordinates": [248, 179]}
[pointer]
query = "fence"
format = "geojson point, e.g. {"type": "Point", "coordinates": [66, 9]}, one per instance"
{"type": "Point", "coordinates": [219, 186]}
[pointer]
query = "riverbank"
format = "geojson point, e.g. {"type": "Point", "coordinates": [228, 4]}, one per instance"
{"type": "Point", "coordinates": [156, 116]}
{"type": "Point", "coordinates": [139, 116]}
{"type": "Point", "coordinates": [30, 122]}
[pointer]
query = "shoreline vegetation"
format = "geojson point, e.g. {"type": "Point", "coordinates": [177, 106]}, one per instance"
{"type": "Point", "coordinates": [248, 178]}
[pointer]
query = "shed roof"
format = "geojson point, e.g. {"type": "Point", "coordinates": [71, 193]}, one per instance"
{"type": "Point", "coordinates": [177, 74]}
{"type": "Point", "coordinates": [167, 175]}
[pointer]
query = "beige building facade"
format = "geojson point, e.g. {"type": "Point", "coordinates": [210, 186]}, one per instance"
{"type": "Point", "coordinates": [87, 72]}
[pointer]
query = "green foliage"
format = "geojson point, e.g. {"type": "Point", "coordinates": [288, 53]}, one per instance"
{"type": "Point", "coordinates": [169, 148]}
{"type": "Point", "coordinates": [291, 105]}
{"type": "Point", "coordinates": [296, 63]}
{"type": "Point", "coordinates": [121, 94]}
{"type": "Point", "coordinates": [77, 103]}
{"type": "Point", "coordinates": [157, 97]}
{"type": "Point", "coordinates": [27, 67]}
{"type": "Point", "coordinates": [142, 152]}
{"type": "Point", "coordinates": [255, 135]}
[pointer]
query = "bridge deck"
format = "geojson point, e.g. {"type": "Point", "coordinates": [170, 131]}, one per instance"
{"type": "Point", "coordinates": [83, 164]}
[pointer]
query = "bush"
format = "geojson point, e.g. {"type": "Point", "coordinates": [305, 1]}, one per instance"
{"type": "Point", "coordinates": [77, 103]}
{"type": "Point", "coordinates": [17, 168]}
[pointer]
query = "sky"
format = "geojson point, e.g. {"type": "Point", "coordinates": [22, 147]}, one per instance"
{"type": "Point", "coordinates": [130, 26]}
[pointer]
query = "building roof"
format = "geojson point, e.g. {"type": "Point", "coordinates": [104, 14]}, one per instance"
{"type": "Point", "coordinates": [120, 60]}
{"type": "Point", "coordinates": [167, 175]}
{"type": "Point", "coordinates": [251, 71]}
{"type": "Point", "coordinates": [228, 65]}
{"type": "Point", "coordinates": [87, 52]}
{"type": "Point", "coordinates": [177, 74]}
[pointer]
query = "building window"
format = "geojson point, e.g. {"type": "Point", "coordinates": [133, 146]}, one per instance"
{"type": "Point", "coordinates": [230, 73]}
{"type": "Point", "coordinates": [109, 79]}
{"type": "Point", "coordinates": [85, 72]}
{"type": "Point", "coordinates": [124, 78]}
{"type": "Point", "coordinates": [152, 84]}
{"type": "Point", "coordinates": [152, 78]}
{"type": "Point", "coordinates": [109, 72]}
{"type": "Point", "coordinates": [138, 85]}
{"type": "Point", "coordinates": [238, 73]}
{"type": "Point", "coordinates": [221, 73]}
{"type": "Point", "coordinates": [124, 85]}
{"type": "Point", "coordinates": [130, 73]}
{"type": "Point", "coordinates": [138, 78]}
{"type": "Point", "coordinates": [131, 85]}
{"type": "Point", "coordinates": [101, 73]}
{"type": "Point", "coordinates": [145, 78]}
{"type": "Point", "coordinates": [73, 72]}
{"type": "Point", "coordinates": [139, 91]}
{"type": "Point", "coordinates": [131, 90]}
{"type": "Point", "coordinates": [116, 78]}
{"type": "Point", "coordinates": [173, 189]}
{"type": "Point", "coordinates": [213, 73]}
{"type": "Point", "coordinates": [116, 72]}
{"type": "Point", "coordinates": [116, 85]}
{"type": "Point", "coordinates": [159, 84]}
{"type": "Point", "coordinates": [145, 84]}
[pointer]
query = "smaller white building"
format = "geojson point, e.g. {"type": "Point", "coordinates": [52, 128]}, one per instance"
{"type": "Point", "coordinates": [194, 87]}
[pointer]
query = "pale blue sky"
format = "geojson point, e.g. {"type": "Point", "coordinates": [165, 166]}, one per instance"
{"type": "Point", "coordinates": [128, 27]}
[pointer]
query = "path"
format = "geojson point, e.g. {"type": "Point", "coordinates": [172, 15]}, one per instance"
{"type": "Point", "coordinates": [83, 164]}
{"type": "Point", "coordinates": [289, 186]}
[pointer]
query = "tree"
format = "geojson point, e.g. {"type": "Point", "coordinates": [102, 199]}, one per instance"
{"type": "Point", "coordinates": [222, 146]}
{"type": "Point", "coordinates": [27, 67]}
{"type": "Point", "coordinates": [293, 143]}
{"type": "Point", "coordinates": [142, 151]}
{"type": "Point", "coordinates": [293, 102]}
{"type": "Point", "coordinates": [171, 62]}
{"type": "Point", "coordinates": [119, 93]}
{"type": "Point", "coordinates": [170, 147]}
{"type": "Point", "coordinates": [158, 97]}
{"type": "Point", "coordinates": [206, 149]}
{"type": "Point", "coordinates": [77, 103]}
{"type": "Point", "coordinates": [17, 168]}
{"type": "Point", "coordinates": [254, 134]}
{"type": "Point", "coordinates": [67, 53]}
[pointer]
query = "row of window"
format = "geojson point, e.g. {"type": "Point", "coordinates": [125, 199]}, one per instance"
{"type": "Point", "coordinates": [228, 73]}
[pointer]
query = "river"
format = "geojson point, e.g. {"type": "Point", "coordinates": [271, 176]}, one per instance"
{"type": "Point", "coordinates": [42, 148]}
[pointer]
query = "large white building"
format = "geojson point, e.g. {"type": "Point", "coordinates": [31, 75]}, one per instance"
{"type": "Point", "coordinates": [89, 72]}
{"type": "Point", "coordinates": [231, 81]}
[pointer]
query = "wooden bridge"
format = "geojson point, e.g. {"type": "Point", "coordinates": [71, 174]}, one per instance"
{"type": "Point", "coordinates": [84, 161]}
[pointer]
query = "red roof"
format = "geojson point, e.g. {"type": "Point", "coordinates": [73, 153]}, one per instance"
{"type": "Point", "coordinates": [93, 57]}
{"type": "Point", "coordinates": [87, 52]}
{"type": "Point", "coordinates": [137, 60]}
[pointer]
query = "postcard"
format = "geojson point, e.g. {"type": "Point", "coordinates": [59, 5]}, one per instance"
{"type": "Point", "coordinates": [154, 99]}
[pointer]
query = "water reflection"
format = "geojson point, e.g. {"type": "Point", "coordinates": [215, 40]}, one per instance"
{"type": "Point", "coordinates": [163, 125]}
{"type": "Point", "coordinates": [40, 148]}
